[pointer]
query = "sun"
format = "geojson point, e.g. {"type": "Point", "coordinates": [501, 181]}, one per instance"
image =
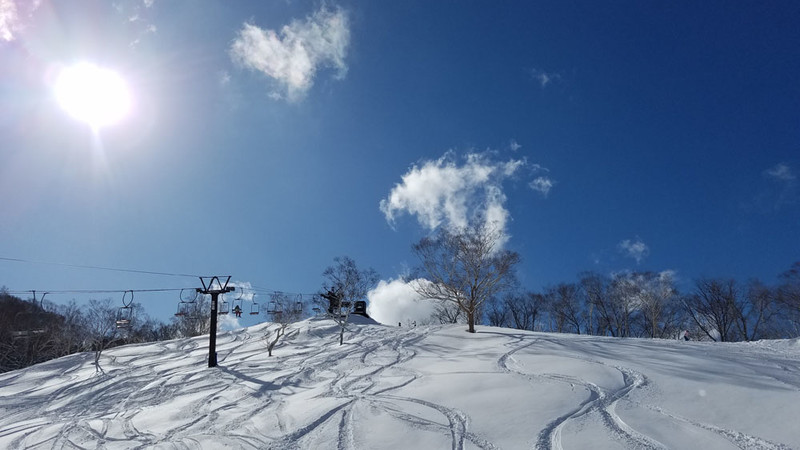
{"type": "Point", "coordinates": [93, 94]}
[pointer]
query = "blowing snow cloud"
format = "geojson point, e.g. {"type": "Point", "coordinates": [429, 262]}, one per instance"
{"type": "Point", "coordinates": [396, 301]}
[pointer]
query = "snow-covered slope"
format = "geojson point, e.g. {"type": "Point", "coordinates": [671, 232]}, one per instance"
{"type": "Point", "coordinates": [421, 388]}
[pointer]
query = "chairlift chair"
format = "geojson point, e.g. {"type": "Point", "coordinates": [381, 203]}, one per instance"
{"type": "Point", "coordinates": [223, 308]}
{"type": "Point", "coordinates": [125, 313]}
{"type": "Point", "coordinates": [254, 310]}
{"type": "Point", "coordinates": [124, 317]}
{"type": "Point", "coordinates": [238, 301]}
{"type": "Point", "coordinates": [183, 308]}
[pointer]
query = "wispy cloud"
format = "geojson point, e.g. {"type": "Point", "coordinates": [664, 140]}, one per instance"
{"type": "Point", "coordinates": [781, 172]}
{"type": "Point", "coordinates": [12, 14]}
{"type": "Point", "coordinates": [542, 185]}
{"type": "Point", "coordinates": [515, 145]}
{"type": "Point", "coordinates": [224, 78]}
{"type": "Point", "coordinates": [293, 55]}
{"type": "Point", "coordinates": [635, 249]}
{"type": "Point", "coordinates": [782, 190]}
{"type": "Point", "coordinates": [544, 78]}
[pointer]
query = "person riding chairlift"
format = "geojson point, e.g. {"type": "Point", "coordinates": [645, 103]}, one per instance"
{"type": "Point", "coordinates": [238, 311]}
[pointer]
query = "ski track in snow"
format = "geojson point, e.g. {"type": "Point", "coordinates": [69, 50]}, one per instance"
{"type": "Point", "coordinates": [600, 402]}
{"type": "Point", "coordinates": [603, 402]}
{"type": "Point", "coordinates": [245, 402]}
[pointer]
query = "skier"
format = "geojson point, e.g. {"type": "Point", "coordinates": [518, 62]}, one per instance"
{"type": "Point", "coordinates": [238, 311]}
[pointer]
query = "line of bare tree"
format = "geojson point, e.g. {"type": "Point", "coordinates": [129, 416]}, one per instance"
{"type": "Point", "coordinates": [32, 332]}
{"type": "Point", "coordinates": [648, 304]}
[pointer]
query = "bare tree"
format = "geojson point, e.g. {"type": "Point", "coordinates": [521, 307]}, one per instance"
{"type": "Point", "coordinates": [101, 327]}
{"type": "Point", "coordinates": [497, 313]}
{"type": "Point", "coordinates": [624, 294]}
{"type": "Point", "coordinates": [465, 268]}
{"type": "Point", "coordinates": [524, 309]}
{"type": "Point", "coordinates": [656, 296]}
{"type": "Point", "coordinates": [284, 310]}
{"type": "Point", "coordinates": [788, 296]}
{"type": "Point", "coordinates": [344, 284]}
{"type": "Point", "coordinates": [712, 306]}
{"type": "Point", "coordinates": [755, 311]}
{"type": "Point", "coordinates": [595, 288]}
{"type": "Point", "coordinates": [72, 335]}
{"type": "Point", "coordinates": [447, 313]}
{"type": "Point", "coordinates": [564, 304]}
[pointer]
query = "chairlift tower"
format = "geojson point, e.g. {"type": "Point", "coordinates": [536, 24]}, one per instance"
{"type": "Point", "coordinates": [214, 288]}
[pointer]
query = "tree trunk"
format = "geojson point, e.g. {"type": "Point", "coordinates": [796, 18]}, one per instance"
{"type": "Point", "coordinates": [278, 334]}
{"type": "Point", "coordinates": [471, 321]}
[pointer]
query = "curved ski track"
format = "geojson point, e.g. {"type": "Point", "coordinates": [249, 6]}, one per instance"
{"type": "Point", "coordinates": [246, 402]}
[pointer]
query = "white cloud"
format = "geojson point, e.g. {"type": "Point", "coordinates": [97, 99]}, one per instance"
{"type": "Point", "coordinates": [148, 3]}
{"type": "Point", "coordinates": [9, 20]}
{"type": "Point", "coordinates": [293, 55]}
{"type": "Point", "coordinates": [446, 193]}
{"type": "Point", "coordinates": [635, 249]}
{"type": "Point", "coordinates": [781, 172]}
{"type": "Point", "coordinates": [542, 184]}
{"type": "Point", "coordinates": [244, 291]}
{"type": "Point", "coordinates": [396, 301]}
{"type": "Point", "coordinates": [668, 275]}
{"type": "Point", "coordinates": [515, 145]}
{"type": "Point", "coordinates": [11, 17]}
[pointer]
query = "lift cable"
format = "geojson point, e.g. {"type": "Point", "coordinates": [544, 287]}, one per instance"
{"type": "Point", "coordinates": [112, 269]}
{"type": "Point", "coordinates": [92, 291]}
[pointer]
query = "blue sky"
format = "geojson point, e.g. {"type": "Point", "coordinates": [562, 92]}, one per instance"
{"type": "Point", "coordinates": [263, 137]}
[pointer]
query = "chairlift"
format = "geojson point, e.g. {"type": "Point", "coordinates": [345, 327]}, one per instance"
{"type": "Point", "coordinates": [27, 324]}
{"type": "Point", "coordinates": [238, 301]}
{"type": "Point", "coordinates": [124, 317]}
{"type": "Point", "coordinates": [183, 309]}
{"type": "Point", "coordinates": [223, 307]}
{"type": "Point", "coordinates": [273, 307]}
{"type": "Point", "coordinates": [254, 309]}
{"type": "Point", "coordinates": [125, 313]}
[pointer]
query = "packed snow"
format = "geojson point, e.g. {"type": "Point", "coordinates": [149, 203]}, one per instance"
{"type": "Point", "coordinates": [431, 387]}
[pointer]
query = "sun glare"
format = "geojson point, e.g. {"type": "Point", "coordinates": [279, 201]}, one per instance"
{"type": "Point", "coordinates": [93, 94]}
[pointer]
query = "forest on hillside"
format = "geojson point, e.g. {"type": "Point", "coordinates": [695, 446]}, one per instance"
{"type": "Point", "coordinates": [629, 304]}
